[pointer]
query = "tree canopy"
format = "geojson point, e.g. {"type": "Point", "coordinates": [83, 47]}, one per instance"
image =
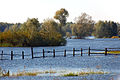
{"type": "Point", "coordinates": [52, 33]}
{"type": "Point", "coordinates": [105, 29]}
{"type": "Point", "coordinates": [61, 15]}
{"type": "Point", "coordinates": [31, 33]}
{"type": "Point", "coordinates": [83, 26]}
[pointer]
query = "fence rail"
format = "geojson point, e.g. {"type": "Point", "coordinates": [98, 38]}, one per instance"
{"type": "Point", "coordinates": [55, 53]}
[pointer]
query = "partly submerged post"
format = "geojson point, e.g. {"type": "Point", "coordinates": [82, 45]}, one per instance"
{"type": "Point", "coordinates": [32, 52]}
{"type": "Point", "coordinates": [11, 55]}
{"type": "Point", "coordinates": [64, 53]}
{"type": "Point", "coordinates": [53, 52]}
{"type": "Point", "coordinates": [89, 51]}
{"type": "Point", "coordinates": [73, 51]}
{"type": "Point", "coordinates": [81, 51]}
{"type": "Point", "coordinates": [43, 53]}
{"type": "Point", "coordinates": [2, 55]}
{"type": "Point", "coordinates": [22, 54]}
{"type": "Point", "coordinates": [105, 51]}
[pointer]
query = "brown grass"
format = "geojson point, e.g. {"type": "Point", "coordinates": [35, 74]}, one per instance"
{"type": "Point", "coordinates": [85, 73]}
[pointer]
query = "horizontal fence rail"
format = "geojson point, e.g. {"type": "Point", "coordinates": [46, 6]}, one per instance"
{"type": "Point", "coordinates": [58, 53]}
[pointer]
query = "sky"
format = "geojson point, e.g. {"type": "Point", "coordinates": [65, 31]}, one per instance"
{"type": "Point", "coordinates": [15, 11]}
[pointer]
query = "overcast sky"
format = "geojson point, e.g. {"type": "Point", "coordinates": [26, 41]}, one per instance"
{"type": "Point", "coordinates": [19, 10]}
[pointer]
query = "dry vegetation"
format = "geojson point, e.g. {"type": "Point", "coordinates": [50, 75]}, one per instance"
{"type": "Point", "coordinates": [85, 73]}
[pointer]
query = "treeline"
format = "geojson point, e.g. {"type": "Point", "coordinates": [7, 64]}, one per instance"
{"type": "Point", "coordinates": [84, 26]}
{"type": "Point", "coordinates": [51, 33]}
{"type": "Point", "coordinates": [5, 26]}
{"type": "Point", "coordinates": [32, 33]}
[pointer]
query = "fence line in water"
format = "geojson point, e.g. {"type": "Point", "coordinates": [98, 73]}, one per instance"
{"type": "Point", "coordinates": [106, 51]}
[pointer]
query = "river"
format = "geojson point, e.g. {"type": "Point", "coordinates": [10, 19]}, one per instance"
{"type": "Point", "coordinates": [62, 65]}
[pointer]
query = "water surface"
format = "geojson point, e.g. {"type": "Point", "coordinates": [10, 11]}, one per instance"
{"type": "Point", "coordinates": [62, 65]}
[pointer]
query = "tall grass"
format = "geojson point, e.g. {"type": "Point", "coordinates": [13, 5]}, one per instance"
{"type": "Point", "coordinates": [85, 73]}
{"type": "Point", "coordinates": [33, 73]}
{"type": "Point", "coordinates": [114, 52]}
{"type": "Point", "coordinates": [4, 72]}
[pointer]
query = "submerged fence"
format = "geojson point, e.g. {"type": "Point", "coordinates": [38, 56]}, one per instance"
{"type": "Point", "coordinates": [55, 53]}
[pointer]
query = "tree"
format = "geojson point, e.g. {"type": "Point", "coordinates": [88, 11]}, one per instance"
{"type": "Point", "coordinates": [30, 33]}
{"type": "Point", "coordinates": [51, 34]}
{"type": "Point", "coordinates": [118, 29]}
{"type": "Point", "coordinates": [67, 27]}
{"type": "Point", "coordinates": [49, 25]}
{"type": "Point", "coordinates": [83, 26]}
{"type": "Point", "coordinates": [30, 27]}
{"type": "Point", "coordinates": [105, 29]}
{"type": "Point", "coordinates": [61, 15]}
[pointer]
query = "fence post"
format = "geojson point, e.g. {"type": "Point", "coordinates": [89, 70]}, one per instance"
{"type": "Point", "coordinates": [22, 54]}
{"type": "Point", "coordinates": [89, 51]}
{"type": "Point", "coordinates": [11, 55]}
{"type": "Point", "coordinates": [105, 51]}
{"type": "Point", "coordinates": [43, 53]}
{"type": "Point", "coordinates": [73, 51]}
{"type": "Point", "coordinates": [2, 55]}
{"type": "Point", "coordinates": [32, 52]}
{"type": "Point", "coordinates": [64, 53]}
{"type": "Point", "coordinates": [81, 51]}
{"type": "Point", "coordinates": [53, 52]}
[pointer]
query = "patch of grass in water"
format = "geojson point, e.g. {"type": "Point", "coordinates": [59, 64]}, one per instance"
{"type": "Point", "coordinates": [114, 52]}
{"type": "Point", "coordinates": [4, 72]}
{"type": "Point", "coordinates": [50, 71]}
{"type": "Point", "coordinates": [25, 74]}
{"type": "Point", "coordinates": [71, 74]}
{"type": "Point", "coordinates": [108, 52]}
{"type": "Point", "coordinates": [85, 73]}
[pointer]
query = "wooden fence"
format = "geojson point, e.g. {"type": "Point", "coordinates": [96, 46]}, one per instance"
{"type": "Point", "coordinates": [89, 51]}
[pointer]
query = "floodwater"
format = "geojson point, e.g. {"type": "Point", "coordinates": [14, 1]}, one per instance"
{"type": "Point", "coordinates": [63, 65]}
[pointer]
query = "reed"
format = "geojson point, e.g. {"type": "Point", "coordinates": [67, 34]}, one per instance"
{"type": "Point", "coordinates": [114, 52]}
{"type": "Point", "coordinates": [23, 73]}
{"type": "Point", "coordinates": [85, 73]}
{"type": "Point", "coordinates": [4, 72]}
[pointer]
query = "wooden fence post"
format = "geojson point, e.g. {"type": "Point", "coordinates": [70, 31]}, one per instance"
{"type": "Point", "coordinates": [53, 52]}
{"type": "Point", "coordinates": [2, 55]}
{"type": "Point", "coordinates": [32, 52]}
{"type": "Point", "coordinates": [89, 51]}
{"type": "Point", "coordinates": [43, 53]}
{"type": "Point", "coordinates": [11, 55]}
{"type": "Point", "coordinates": [73, 51]}
{"type": "Point", "coordinates": [105, 51]}
{"type": "Point", "coordinates": [81, 51]}
{"type": "Point", "coordinates": [22, 54]}
{"type": "Point", "coordinates": [64, 53]}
